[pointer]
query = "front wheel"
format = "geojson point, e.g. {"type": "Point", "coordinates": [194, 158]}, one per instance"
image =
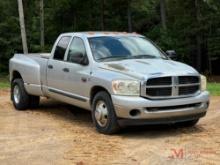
{"type": "Point", "coordinates": [103, 114]}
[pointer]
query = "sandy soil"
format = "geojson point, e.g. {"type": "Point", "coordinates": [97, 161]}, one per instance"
{"type": "Point", "coordinates": [56, 133]}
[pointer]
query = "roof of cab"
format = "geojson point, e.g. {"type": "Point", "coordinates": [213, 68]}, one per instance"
{"type": "Point", "coordinates": [102, 33]}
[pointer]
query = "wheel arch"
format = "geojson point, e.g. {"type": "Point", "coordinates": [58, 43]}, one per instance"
{"type": "Point", "coordinates": [16, 74]}
{"type": "Point", "coordinates": [95, 90]}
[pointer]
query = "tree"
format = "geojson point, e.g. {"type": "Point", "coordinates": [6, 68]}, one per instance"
{"type": "Point", "coordinates": [193, 28]}
{"type": "Point", "coordinates": [129, 15]}
{"type": "Point", "coordinates": [163, 13]}
{"type": "Point", "coordinates": [198, 37]}
{"type": "Point", "coordinates": [42, 24]}
{"type": "Point", "coordinates": [102, 14]}
{"type": "Point", "coordinates": [22, 26]}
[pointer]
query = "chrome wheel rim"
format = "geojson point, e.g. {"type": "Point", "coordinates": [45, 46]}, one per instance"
{"type": "Point", "coordinates": [101, 113]}
{"type": "Point", "coordinates": [17, 94]}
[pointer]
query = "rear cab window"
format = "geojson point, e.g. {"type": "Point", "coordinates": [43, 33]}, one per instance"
{"type": "Point", "coordinates": [61, 48]}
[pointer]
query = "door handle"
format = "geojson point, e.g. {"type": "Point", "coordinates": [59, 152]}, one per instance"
{"type": "Point", "coordinates": [66, 69]}
{"type": "Point", "coordinates": [50, 66]}
{"type": "Point", "coordinates": [83, 79]}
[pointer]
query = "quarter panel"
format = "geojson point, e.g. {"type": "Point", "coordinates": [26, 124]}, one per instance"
{"type": "Point", "coordinates": [31, 69]}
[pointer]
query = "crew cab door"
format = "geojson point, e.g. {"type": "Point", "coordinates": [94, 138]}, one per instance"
{"type": "Point", "coordinates": [77, 77]}
{"type": "Point", "coordinates": [55, 72]}
{"type": "Point", "coordinates": [67, 75]}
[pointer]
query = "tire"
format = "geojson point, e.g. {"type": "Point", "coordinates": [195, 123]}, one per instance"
{"type": "Point", "coordinates": [189, 123]}
{"type": "Point", "coordinates": [20, 98]}
{"type": "Point", "coordinates": [105, 123]}
{"type": "Point", "coordinates": [34, 101]}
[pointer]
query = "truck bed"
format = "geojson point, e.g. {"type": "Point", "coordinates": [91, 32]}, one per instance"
{"type": "Point", "coordinates": [34, 69]}
{"type": "Point", "coordinates": [42, 55]}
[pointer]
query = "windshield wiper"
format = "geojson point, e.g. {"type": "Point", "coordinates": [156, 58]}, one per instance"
{"type": "Point", "coordinates": [144, 56]}
{"type": "Point", "coordinates": [128, 57]}
{"type": "Point", "coordinates": [112, 57]}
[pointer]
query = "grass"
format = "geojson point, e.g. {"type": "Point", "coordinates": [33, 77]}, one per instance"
{"type": "Point", "coordinates": [212, 87]}
{"type": "Point", "coordinates": [4, 82]}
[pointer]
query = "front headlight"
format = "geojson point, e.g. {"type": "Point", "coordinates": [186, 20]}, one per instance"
{"type": "Point", "coordinates": [126, 87]}
{"type": "Point", "coordinates": [203, 82]}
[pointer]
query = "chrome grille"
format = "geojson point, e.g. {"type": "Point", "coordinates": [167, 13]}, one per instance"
{"type": "Point", "coordinates": [159, 91]}
{"type": "Point", "coordinates": [171, 87]}
{"type": "Point", "coordinates": [160, 81]}
{"type": "Point", "coordinates": [188, 90]}
{"type": "Point", "coordinates": [188, 79]}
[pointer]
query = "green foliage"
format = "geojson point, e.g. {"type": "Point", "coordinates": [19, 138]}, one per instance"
{"type": "Point", "coordinates": [4, 81]}
{"type": "Point", "coordinates": [185, 23]}
{"type": "Point", "coordinates": [10, 40]}
{"type": "Point", "coordinates": [214, 89]}
{"type": "Point", "coordinates": [4, 85]}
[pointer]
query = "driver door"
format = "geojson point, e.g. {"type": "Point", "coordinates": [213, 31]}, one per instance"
{"type": "Point", "coordinates": [77, 64]}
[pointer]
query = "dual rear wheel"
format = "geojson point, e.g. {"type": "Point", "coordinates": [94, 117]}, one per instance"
{"type": "Point", "coordinates": [20, 98]}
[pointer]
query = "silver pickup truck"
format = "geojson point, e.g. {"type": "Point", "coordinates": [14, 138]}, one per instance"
{"type": "Point", "coordinates": [122, 78]}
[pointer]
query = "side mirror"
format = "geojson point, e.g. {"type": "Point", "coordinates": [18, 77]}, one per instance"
{"type": "Point", "coordinates": [84, 61]}
{"type": "Point", "coordinates": [79, 58]}
{"type": "Point", "coordinates": [171, 54]}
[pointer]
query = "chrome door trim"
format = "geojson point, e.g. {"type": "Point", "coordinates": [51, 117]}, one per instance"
{"type": "Point", "coordinates": [80, 98]}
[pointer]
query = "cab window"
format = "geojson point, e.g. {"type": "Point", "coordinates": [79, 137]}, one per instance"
{"type": "Point", "coordinates": [61, 48]}
{"type": "Point", "coordinates": [77, 52]}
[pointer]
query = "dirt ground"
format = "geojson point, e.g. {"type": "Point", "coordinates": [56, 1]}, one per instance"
{"type": "Point", "coordinates": [56, 133]}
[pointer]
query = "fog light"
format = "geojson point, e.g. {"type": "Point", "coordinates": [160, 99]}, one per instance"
{"type": "Point", "coordinates": [135, 112]}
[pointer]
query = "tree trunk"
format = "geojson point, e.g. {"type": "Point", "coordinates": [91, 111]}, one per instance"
{"type": "Point", "coordinates": [209, 64]}
{"type": "Point", "coordinates": [129, 16]}
{"type": "Point", "coordinates": [198, 52]}
{"type": "Point", "coordinates": [75, 21]}
{"type": "Point", "coordinates": [209, 61]}
{"type": "Point", "coordinates": [163, 13]}
{"type": "Point", "coordinates": [22, 26]}
{"type": "Point", "coordinates": [102, 14]}
{"type": "Point", "coordinates": [42, 25]}
{"type": "Point", "coordinates": [198, 38]}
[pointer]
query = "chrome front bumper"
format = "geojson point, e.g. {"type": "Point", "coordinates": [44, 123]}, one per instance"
{"type": "Point", "coordinates": [124, 104]}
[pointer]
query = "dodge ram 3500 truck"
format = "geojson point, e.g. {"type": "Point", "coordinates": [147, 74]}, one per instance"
{"type": "Point", "coordinates": [123, 78]}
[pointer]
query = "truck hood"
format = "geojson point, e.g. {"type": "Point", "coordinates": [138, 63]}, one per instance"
{"type": "Point", "coordinates": [144, 68]}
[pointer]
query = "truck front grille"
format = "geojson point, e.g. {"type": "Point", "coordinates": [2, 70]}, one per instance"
{"type": "Point", "coordinates": [188, 79]}
{"type": "Point", "coordinates": [188, 90]}
{"type": "Point", "coordinates": [159, 91]}
{"type": "Point", "coordinates": [171, 87]}
{"type": "Point", "coordinates": [160, 81]}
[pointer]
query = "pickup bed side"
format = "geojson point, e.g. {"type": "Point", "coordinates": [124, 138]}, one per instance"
{"type": "Point", "coordinates": [32, 69]}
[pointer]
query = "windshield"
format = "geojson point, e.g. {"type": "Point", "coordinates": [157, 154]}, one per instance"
{"type": "Point", "coordinates": [109, 48]}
